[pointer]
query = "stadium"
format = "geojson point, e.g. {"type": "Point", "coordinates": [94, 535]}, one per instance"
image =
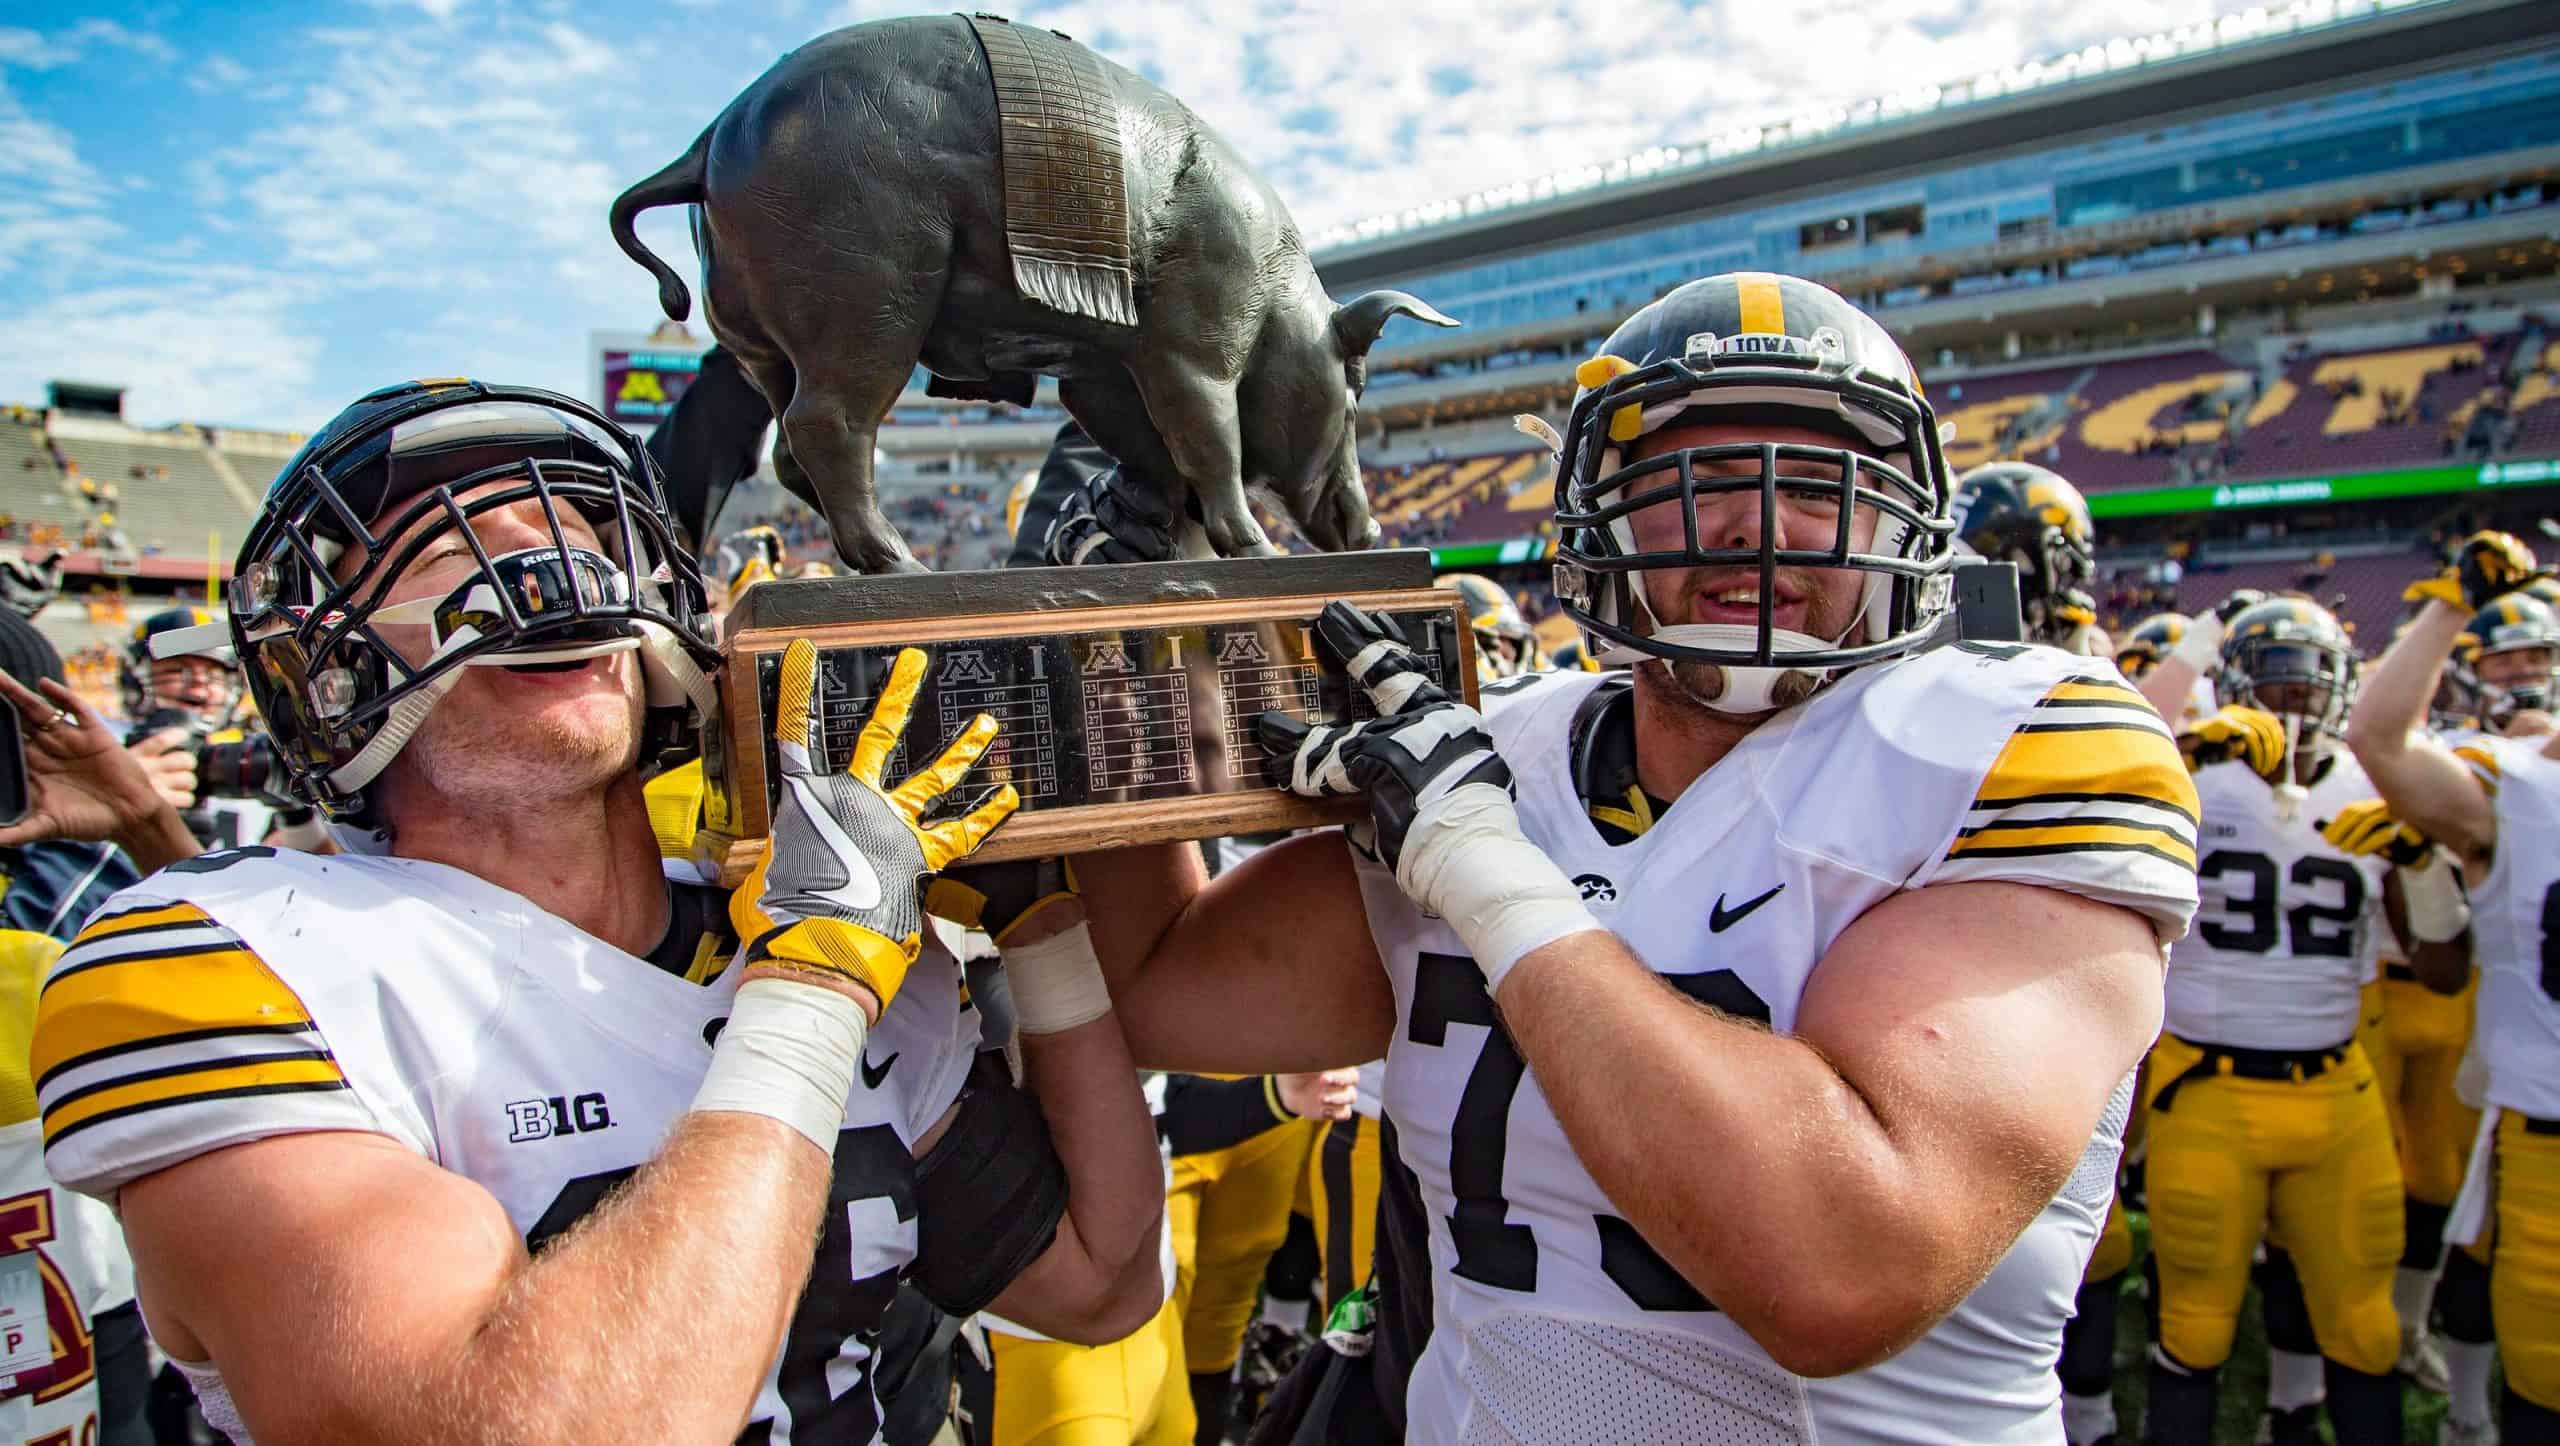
{"type": "Point", "coordinates": [2280, 294]}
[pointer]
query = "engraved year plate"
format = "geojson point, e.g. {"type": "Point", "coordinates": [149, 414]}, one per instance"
{"type": "Point", "coordinates": [1126, 695]}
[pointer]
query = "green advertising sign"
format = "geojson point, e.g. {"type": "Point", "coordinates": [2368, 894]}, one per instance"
{"type": "Point", "coordinates": [2293, 491]}
{"type": "Point", "coordinates": [2155, 501]}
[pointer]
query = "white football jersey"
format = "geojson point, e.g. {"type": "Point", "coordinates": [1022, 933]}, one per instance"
{"type": "Point", "coordinates": [1554, 1321]}
{"type": "Point", "coordinates": [2288, 926]}
{"type": "Point", "coordinates": [257, 993]}
{"type": "Point", "coordinates": [68, 1244]}
{"type": "Point", "coordinates": [2515, 926]}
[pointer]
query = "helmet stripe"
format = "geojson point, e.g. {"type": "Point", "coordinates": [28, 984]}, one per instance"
{"type": "Point", "coordinates": [1764, 307]}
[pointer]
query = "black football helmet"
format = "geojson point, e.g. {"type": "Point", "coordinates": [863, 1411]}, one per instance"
{"type": "Point", "coordinates": [2143, 648]}
{"type": "Point", "coordinates": [2518, 623]}
{"type": "Point", "coordinates": [2019, 512]}
{"type": "Point", "coordinates": [1754, 347]}
{"type": "Point", "coordinates": [2290, 657]}
{"type": "Point", "coordinates": [340, 701]}
{"type": "Point", "coordinates": [1506, 646]}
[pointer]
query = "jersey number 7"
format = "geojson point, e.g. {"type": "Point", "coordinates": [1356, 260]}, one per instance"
{"type": "Point", "coordinates": [1449, 989]}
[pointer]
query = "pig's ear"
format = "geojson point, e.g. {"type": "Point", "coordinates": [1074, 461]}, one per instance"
{"type": "Point", "coordinates": [1357, 322]}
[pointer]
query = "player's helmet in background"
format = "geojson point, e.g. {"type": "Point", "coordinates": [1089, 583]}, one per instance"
{"type": "Point", "coordinates": [1753, 347]}
{"type": "Point", "coordinates": [2019, 512]}
{"type": "Point", "coordinates": [339, 700]}
{"type": "Point", "coordinates": [1506, 646]}
{"type": "Point", "coordinates": [1572, 656]}
{"type": "Point", "coordinates": [133, 672]}
{"type": "Point", "coordinates": [2290, 657]}
{"type": "Point", "coordinates": [2518, 623]}
{"type": "Point", "coordinates": [2148, 643]}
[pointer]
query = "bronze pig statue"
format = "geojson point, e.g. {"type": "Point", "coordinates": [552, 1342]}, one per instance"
{"type": "Point", "coordinates": [997, 202]}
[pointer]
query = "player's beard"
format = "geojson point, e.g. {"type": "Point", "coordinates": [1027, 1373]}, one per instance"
{"type": "Point", "coordinates": [1830, 610]}
{"type": "Point", "coordinates": [480, 758]}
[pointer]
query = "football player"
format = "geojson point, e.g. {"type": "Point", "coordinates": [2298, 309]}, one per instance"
{"type": "Point", "coordinates": [2022, 513]}
{"type": "Point", "coordinates": [1748, 1142]}
{"type": "Point", "coordinates": [492, 1102]}
{"type": "Point", "coordinates": [2261, 1102]}
{"type": "Point", "coordinates": [2504, 662]}
{"type": "Point", "coordinates": [2183, 683]}
{"type": "Point", "coordinates": [2495, 803]}
{"type": "Point", "coordinates": [1506, 646]}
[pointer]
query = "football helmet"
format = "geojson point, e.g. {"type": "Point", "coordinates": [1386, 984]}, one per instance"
{"type": "Point", "coordinates": [2290, 657]}
{"type": "Point", "coordinates": [340, 701]}
{"type": "Point", "coordinates": [133, 674]}
{"type": "Point", "coordinates": [1750, 347]}
{"type": "Point", "coordinates": [1506, 646]}
{"type": "Point", "coordinates": [2019, 512]}
{"type": "Point", "coordinates": [2148, 643]}
{"type": "Point", "coordinates": [2518, 625]}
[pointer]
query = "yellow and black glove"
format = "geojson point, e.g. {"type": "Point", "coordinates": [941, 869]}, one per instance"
{"type": "Point", "coordinates": [837, 892]}
{"type": "Point", "coordinates": [993, 898]}
{"type": "Point", "coordinates": [2367, 827]}
{"type": "Point", "coordinates": [2491, 564]}
{"type": "Point", "coordinates": [2252, 735]}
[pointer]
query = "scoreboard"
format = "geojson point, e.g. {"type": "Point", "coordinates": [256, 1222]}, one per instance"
{"type": "Point", "coordinates": [636, 377]}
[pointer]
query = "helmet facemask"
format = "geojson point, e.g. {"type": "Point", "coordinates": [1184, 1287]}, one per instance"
{"type": "Point", "coordinates": [1601, 567]}
{"type": "Point", "coordinates": [2306, 681]}
{"type": "Point", "coordinates": [343, 699]}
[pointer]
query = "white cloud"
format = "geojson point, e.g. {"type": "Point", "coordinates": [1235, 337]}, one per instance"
{"type": "Point", "coordinates": [202, 353]}
{"type": "Point", "coordinates": [217, 73]}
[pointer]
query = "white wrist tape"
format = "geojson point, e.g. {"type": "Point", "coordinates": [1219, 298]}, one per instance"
{"type": "Point", "coordinates": [2431, 895]}
{"type": "Point", "coordinates": [788, 1052]}
{"type": "Point", "coordinates": [1057, 983]}
{"type": "Point", "coordinates": [1464, 859]}
{"type": "Point", "coordinates": [2201, 646]}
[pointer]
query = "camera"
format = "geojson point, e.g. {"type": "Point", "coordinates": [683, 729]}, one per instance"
{"type": "Point", "coordinates": [241, 767]}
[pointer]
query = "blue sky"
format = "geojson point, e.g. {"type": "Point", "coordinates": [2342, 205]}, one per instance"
{"type": "Point", "coordinates": [252, 213]}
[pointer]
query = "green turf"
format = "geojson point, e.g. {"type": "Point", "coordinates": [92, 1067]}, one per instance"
{"type": "Point", "coordinates": [2244, 1378]}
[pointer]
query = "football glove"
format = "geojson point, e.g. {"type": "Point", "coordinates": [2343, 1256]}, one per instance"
{"type": "Point", "coordinates": [1423, 748]}
{"type": "Point", "coordinates": [2490, 564]}
{"type": "Point", "coordinates": [836, 892]}
{"type": "Point", "coordinates": [2367, 827]}
{"type": "Point", "coordinates": [2252, 735]}
{"type": "Point", "coordinates": [1111, 516]}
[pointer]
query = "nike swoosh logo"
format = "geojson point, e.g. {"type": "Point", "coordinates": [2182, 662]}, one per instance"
{"type": "Point", "coordinates": [860, 892]}
{"type": "Point", "coordinates": [871, 1077]}
{"type": "Point", "coordinates": [1718, 920]}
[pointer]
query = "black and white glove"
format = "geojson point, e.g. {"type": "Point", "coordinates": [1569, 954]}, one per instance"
{"type": "Point", "coordinates": [1110, 517]}
{"type": "Point", "coordinates": [1440, 797]}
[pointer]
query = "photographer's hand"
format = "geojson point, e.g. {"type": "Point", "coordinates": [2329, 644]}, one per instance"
{"type": "Point", "coordinates": [170, 765]}
{"type": "Point", "coordinates": [83, 785]}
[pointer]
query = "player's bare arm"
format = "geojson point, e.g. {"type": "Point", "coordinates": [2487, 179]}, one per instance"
{"type": "Point", "coordinates": [2425, 785]}
{"type": "Point", "coordinates": [1280, 940]}
{"type": "Point", "coordinates": [1865, 1173]}
{"type": "Point", "coordinates": [1100, 1277]}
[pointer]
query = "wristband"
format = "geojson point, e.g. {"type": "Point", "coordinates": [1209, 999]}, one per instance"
{"type": "Point", "coordinates": [788, 1052]}
{"type": "Point", "coordinates": [1057, 983]}
{"type": "Point", "coordinates": [2431, 897]}
{"type": "Point", "coordinates": [1464, 859]}
{"type": "Point", "coordinates": [2201, 647]}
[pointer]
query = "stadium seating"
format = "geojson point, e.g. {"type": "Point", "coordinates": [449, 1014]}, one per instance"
{"type": "Point", "coordinates": [2361, 411]}
{"type": "Point", "coordinates": [168, 493]}
{"type": "Point", "coordinates": [32, 489]}
{"type": "Point", "coordinates": [2363, 591]}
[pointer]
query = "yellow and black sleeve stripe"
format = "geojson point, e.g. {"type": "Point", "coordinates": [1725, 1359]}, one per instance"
{"type": "Point", "coordinates": [157, 1009]}
{"type": "Point", "coordinates": [2483, 764]}
{"type": "Point", "coordinates": [2092, 770]}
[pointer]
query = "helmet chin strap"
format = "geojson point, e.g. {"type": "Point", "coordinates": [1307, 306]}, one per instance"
{"type": "Point", "coordinates": [1746, 689]}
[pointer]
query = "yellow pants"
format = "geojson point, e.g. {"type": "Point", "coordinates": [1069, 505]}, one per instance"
{"type": "Point", "coordinates": [2420, 1053]}
{"type": "Point", "coordinates": [2524, 1264]}
{"type": "Point", "coordinates": [1346, 1204]}
{"type": "Point", "coordinates": [2313, 1157]}
{"type": "Point", "coordinates": [1132, 1392]}
{"type": "Point", "coordinates": [1229, 1210]}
